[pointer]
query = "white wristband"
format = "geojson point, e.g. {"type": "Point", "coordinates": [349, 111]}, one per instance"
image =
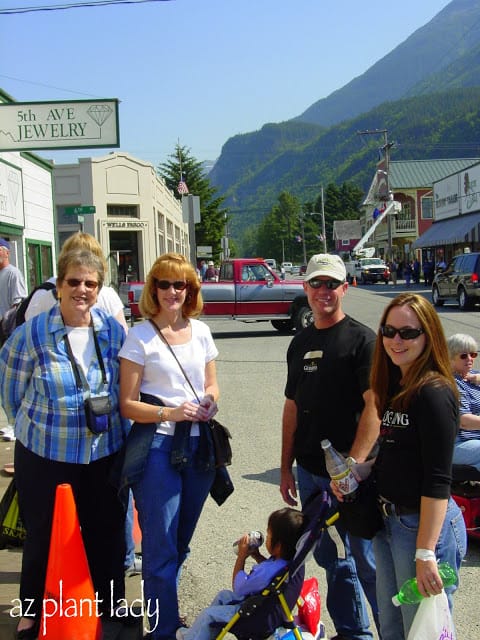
{"type": "Point", "coordinates": [425, 554]}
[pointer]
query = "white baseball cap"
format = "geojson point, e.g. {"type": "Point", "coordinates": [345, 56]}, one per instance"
{"type": "Point", "coordinates": [326, 264]}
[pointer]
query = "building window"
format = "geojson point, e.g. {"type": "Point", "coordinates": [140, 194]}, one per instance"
{"type": "Point", "coordinates": [345, 243]}
{"type": "Point", "coordinates": [122, 210]}
{"type": "Point", "coordinates": [427, 207]}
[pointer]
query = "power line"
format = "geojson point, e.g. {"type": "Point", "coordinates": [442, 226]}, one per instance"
{"type": "Point", "coordinates": [77, 5]}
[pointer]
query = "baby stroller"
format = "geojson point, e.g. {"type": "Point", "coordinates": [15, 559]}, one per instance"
{"type": "Point", "coordinates": [261, 614]}
{"type": "Point", "coordinates": [466, 493]}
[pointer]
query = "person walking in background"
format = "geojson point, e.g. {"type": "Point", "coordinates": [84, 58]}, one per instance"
{"type": "Point", "coordinates": [407, 273]}
{"type": "Point", "coordinates": [283, 532]}
{"type": "Point", "coordinates": [108, 299]}
{"type": "Point", "coordinates": [210, 273]}
{"type": "Point", "coordinates": [393, 271]}
{"type": "Point", "coordinates": [172, 476]}
{"type": "Point", "coordinates": [327, 396]}
{"type": "Point", "coordinates": [417, 397]}
{"type": "Point", "coordinates": [463, 350]}
{"type": "Point", "coordinates": [44, 388]}
{"type": "Point", "coordinates": [12, 292]}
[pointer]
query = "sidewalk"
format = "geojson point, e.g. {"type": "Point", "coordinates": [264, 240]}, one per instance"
{"type": "Point", "coordinates": [10, 566]}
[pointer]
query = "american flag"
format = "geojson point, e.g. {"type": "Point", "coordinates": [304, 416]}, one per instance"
{"type": "Point", "coordinates": [182, 186]}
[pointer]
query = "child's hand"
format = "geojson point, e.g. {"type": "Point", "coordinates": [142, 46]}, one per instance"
{"type": "Point", "coordinates": [244, 549]}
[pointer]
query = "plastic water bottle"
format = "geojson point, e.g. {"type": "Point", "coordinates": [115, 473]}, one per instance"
{"type": "Point", "coordinates": [339, 471]}
{"type": "Point", "coordinates": [255, 540]}
{"type": "Point", "coordinates": [409, 593]}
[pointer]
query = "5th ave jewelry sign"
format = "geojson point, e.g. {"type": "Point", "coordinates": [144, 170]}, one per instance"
{"type": "Point", "coordinates": [27, 126]}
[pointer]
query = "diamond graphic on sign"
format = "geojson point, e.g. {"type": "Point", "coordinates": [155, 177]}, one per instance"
{"type": "Point", "coordinates": [13, 186]}
{"type": "Point", "coordinates": [99, 113]}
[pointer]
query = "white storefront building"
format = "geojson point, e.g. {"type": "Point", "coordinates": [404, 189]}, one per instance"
{"type": "Point", "coordinates": [136, 219]}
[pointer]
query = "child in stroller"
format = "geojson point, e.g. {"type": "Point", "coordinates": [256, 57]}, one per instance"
{"type": "Point", "coordinates": [257, 616]}
{"type": "Point", "coordinates": [283, 531]}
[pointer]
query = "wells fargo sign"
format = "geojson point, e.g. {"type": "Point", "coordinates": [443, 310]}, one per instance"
{"type": "Point", "coordinates": [27, 126]}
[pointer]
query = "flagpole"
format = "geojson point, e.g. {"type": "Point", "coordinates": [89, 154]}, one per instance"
{"type": "Point", "coordinates": [323, 223]}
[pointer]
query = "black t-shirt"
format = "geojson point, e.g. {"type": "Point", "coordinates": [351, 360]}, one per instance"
{"type": "Point", "coordinates": [416, 448]}
{"type": "Point", "coordinates": [328, 371]}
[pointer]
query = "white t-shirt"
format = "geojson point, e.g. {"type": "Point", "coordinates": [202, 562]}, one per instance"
{"type": "Point", "coordinates": [162, 376]}
{"type": "Point", "coordinates": [43, 300]}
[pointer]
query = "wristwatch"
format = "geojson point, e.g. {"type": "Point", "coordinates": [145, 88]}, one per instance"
{"type": "Point", "coordinates": [160, 414]}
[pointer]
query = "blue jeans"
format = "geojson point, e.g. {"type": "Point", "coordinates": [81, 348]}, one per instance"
{"type": "Point", "coordinates": [345, 575]}
{"type": "Point", "coordinates": [169, 504]}
{"type": "Point", "coordinates": [467, 452]}
{"type": "Point", "coordinates": [129, 541]}
{"type": "Point", "coordinates": [224, 606]}
{"type": "Point", "coordinates": [394, 548]}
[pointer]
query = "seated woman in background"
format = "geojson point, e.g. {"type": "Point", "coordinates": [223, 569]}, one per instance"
{"type": "Point", "coordinates": [463, 350]}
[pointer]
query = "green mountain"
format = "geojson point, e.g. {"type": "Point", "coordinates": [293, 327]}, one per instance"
{"type": "Point", "coordinates": [431, 112]}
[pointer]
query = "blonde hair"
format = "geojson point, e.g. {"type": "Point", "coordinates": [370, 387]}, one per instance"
{"type": "Point", "coordinates": [172, 266]}
{"type": "Point", "coordinates": [81, 258]}
{"type": "Point", "coordinates": [432, 365]}
{"type": "Point", "coordinates": [85, 241]}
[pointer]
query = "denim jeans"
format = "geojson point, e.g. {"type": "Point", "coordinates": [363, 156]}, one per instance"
{"type": "Point", "coordinates": [129, 541]}
{"type": "Point", "coordinates": [223, 608]}
{"type": "Point", "coordinates": [169, 504]}
{"type": "Point", "coordinates": [345, 575]}
{"type": "Point", "coordinates": [394, 548]}
{"type": "Point", "coordinates": [467, 452]}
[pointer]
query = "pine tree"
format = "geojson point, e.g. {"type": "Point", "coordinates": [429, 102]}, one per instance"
{"type": "Point", "coordinates": [214, 218]}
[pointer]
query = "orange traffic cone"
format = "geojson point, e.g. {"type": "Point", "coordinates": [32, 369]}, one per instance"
{"type": "Point", "coordinates": [69, 610]}
{"type": "Point", "coordinates": [354, 281]}
{"type": "Point", "coordinates": [137, 533]}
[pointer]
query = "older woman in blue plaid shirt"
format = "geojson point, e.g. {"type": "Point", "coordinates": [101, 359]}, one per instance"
{"type": "Point", "coordinates": [48, 367]}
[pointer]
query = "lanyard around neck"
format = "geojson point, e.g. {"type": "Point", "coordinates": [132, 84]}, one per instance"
{"type": "Point", "coordinates": [78, 378]}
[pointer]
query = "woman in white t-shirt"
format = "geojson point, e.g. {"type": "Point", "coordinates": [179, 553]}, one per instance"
{"type": "Point", "coordinates": [108, 299]}
{"type": "Point", "coordinates": [178, 469]}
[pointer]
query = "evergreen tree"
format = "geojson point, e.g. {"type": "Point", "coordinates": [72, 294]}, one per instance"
{"type": "Point", "coordinates": [214, 218]}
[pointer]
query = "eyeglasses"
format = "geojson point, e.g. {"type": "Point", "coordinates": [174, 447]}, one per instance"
{"type": "Point", "coordinates": [406, 333]}
{"type": "Point", "coordinates": [330, 284]}
{"type": "Point", "coordinates": [74, 282]}
{"type": "Point", "coordinates": [178, 285]}
{"type": "Point", "coordinates": [472, 354]}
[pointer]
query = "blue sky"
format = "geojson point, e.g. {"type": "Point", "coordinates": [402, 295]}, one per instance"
{"type": "Point", "coordinates": [198, 71]}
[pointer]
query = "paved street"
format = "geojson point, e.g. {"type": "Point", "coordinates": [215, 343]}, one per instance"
{"type": "Point", "coordinates": [251, 369]}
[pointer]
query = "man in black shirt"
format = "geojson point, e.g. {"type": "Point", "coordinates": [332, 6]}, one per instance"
{"type": "Point", "coordinates": [327, 396]}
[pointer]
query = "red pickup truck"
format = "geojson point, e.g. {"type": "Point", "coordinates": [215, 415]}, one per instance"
{"type": "Point", "coordinates": [248, 290]}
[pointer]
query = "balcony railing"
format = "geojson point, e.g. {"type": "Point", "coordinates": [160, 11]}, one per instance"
{"type": "Point", "coordinates": [400, 227]}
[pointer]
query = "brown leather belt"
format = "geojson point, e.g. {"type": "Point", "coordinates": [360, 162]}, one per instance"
{"type": "Point", "coordinates": [391, 509]}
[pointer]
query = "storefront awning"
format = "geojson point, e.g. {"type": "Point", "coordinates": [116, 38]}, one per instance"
{"type": "Point", "coordinates": [452, 231]}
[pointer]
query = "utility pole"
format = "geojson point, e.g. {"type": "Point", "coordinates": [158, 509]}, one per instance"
{"type": "Point", "coordinates": [386, 150]}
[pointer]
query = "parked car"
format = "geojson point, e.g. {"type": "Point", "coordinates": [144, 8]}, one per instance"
{"type": "Point", "coordinates": [130, 293]}
{"type": "Point", "coordinates": [460, 281]}
{"type": "Point", "coordinates": [303, 269]}
{"type": "Point", "coordinates": [287, 267]}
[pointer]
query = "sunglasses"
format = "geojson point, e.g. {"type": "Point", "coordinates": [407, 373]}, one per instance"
{"type": "Point", "coordinates": [472, 354]}
{"type": "Point", "coordinates": [178, 285]}
{"type": "Point", "coordinates": [405, 334]}
{"type": "Point", "coordinates": [74, 282]}
{"type": "Point", "coordinates": [330, 284]}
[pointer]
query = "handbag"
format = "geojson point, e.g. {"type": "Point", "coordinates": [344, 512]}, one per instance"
{"type": "Point", "coordinates": [221, 437]}
{"type": "Point", "coordinates": [433, 620]}
{"type": "Point", "coordinates": [97, 412]}
{"type": "Point", "coordinates": [12, 531]}
{"type": "Point", "coordinates": [222, 486]}
{"type": "Point", "coordinates": [362, 516]}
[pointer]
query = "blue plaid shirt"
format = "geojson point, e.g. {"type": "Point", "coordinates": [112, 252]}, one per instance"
{"type": "Point", "coordinates": [40, 395]}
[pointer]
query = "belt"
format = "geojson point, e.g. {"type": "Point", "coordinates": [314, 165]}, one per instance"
{"type": "Point", "coordinates": [390, 509]}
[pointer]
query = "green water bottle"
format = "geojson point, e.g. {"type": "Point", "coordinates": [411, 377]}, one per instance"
{"type": "Point", "coordinates": [409, 593]}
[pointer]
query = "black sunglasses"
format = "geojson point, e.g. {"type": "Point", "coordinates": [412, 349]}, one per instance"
{"type": "Point", "coordinates": [330, 284]}
{"type": "Point", "coordinates": [74, 282]}
{"type": "Point", "coordinates": [178, 285]}
{"type": "Point", "coordinates": [406, 333]}
{"type": "Point", "coordinates": [472, 354]}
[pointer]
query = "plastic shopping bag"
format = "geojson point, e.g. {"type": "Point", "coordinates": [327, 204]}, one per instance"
{"type": "Point", "coordinates": [309, 606]}
{"type": "Point", "coordinates": [12, 531]}
{"type": "Point", "coordinates": [433, 620]}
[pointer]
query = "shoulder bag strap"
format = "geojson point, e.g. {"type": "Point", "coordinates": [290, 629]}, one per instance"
{"type": "Point", "coordinates": [155, 326]}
